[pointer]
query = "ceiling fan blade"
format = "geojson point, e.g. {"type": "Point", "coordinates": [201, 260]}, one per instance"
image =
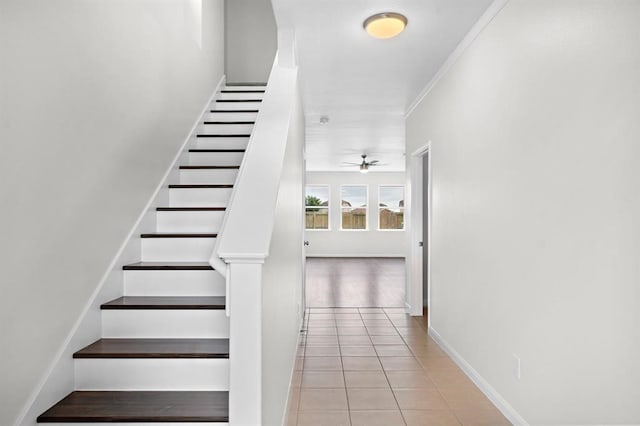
{"type": "Point", "coordinates": [373, 162]}
{"type": "Point", "coordinates": [377, 163]}
{"type": "Point", "coordinates": [346, 164]}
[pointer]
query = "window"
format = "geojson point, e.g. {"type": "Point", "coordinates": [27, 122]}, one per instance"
{"type": "Point", "coordinates": [316, 204]}
{"type": "Point", "coordinates": [353, 200]}
{"type": "Point", "coordinates": [391, 209]}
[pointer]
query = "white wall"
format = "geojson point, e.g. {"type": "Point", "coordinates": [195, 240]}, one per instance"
{"type": "Point", "coordinates": [354, 243]}
{"type": "Point", "coordinates": [95, 100]}
{"type": "Point", "coordinates": [282, 279]}
{"type": "Point", "coordinates": [251, 40]}
{"type": "Point", "coordinates": [536, 199]}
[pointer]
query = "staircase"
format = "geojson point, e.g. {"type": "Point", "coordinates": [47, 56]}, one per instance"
{"type": "Point", "coordinates": [164, 352]}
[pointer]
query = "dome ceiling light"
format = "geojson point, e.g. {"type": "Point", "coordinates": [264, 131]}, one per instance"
{"type": "Point", "coordinates": [385, 25]}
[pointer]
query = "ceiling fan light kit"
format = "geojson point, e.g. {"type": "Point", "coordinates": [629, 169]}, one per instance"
{"type": "Point", "coordinates": [385, 25]}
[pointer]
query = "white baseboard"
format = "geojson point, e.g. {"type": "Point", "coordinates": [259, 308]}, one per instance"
{"type": "Point", "coordinates": [357, 255]}
{"type": "Point", "coordinates": [58, 380]}
{"type": "Point", "coordinates": [507, 410]}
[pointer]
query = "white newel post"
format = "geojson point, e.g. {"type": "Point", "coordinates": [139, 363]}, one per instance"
{"type": "Point", "coordinates": [245, 341]}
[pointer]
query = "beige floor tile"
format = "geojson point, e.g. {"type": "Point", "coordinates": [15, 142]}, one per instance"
{"type": "Point", "coordinates": [412, 332]}
{"type": "Point", "coordinates": [323, 418]}
{"type": "Point", "coordinates": [354, 340]}
{"type": "Point", "coordinates": [426, 351]}
{"type": "Point", "coordinates": [292, 418]}
{"type": "Point", "coordinates": [294, 399]}
{"type": "Point", "coordinates": [358, 351]}
{"type": "Point", "coordinates": [490, 417]}
{"type": "Point", "coordinates": [352, 363]}
{"type": "Point", "coordinates": [373, 315]}
{"type": "Point", "coordinates": [394, 310]}
{"type": "Point", "coordinates": [393, 350]}
{"type": "Point", "coordinates": [352, 331]}
{"type": "Point", "coordinates": [365, 379]}
{"type": "Point", "coordinates": [322, 399]}
{"type": "Point", "coordinates": [409, 380]}
{"type": "Point", "coordinates": [377, 323]}
{"type": "Point", "coordinates": [322, 331]}
{"type": "Point", "coordinates": [449, 377]}
{"type": "Point", "coordinates": [382, 331]}
{"type": "Point", "coordinates": [349, 323]}
{"type": "Point", "coordinates": [346, 310]}
{"type": "Point", "coordinates": [299, 364]}
{"type": "Point", "coordinates": [371, 310]}
{"type": "Point", "coordinates": [322, 341]}
{"type": "Point", "coordinates": [371, 399]}
{"type": "Point", "coordinates": [321, 316]}
{"type": "Point", "coordinates": [322, 351]}
{"type": "Point", "coordinates": [320, 311]}
{"type": "Point", "coordinates": [376, 418]}
{"type": "Point", "coordinates": [430, 418]}
{"type": "Point", "coordinates": [465, 398]}
{"type": "Point", "coordinates": [437, 363]}
{"type": "Point", "coordinates": [322, 379]}
{"type": "Point", "coordinates": [341, 316]}
{"type": "Point", "coordinates": [387, 340]}
{"type": "Point", "coordinates": [322, 363]}
{"type": "Point", "coordinates": [296, 379]}
{"type": "Point", "coordinates": [400, 363]}
{"type": "Point", "coordinates": [420, 399]}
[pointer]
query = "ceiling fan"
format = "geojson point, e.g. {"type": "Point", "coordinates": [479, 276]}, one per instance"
{"type": "Point", "coordinates": [364, 165]}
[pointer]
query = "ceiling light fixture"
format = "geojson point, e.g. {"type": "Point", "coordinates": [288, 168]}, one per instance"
{"type": "Point", "coordinates": [364, 168]}
{"type": "Point", "coordinates": [324, 119]}
{"type": "Point", "coordinates": [385, 25]}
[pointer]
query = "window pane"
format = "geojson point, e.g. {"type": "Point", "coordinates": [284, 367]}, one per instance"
{"type": "Point", "coordinates": [391, 211]}
{"type": "Point", "coordinates": [317, 218]}
{"type": "Point", "coordinates": [317, 195]}
{"type": "Point", "coordinates": [316, 203]}
{"type": "Point", "coordinates": [353, 199]}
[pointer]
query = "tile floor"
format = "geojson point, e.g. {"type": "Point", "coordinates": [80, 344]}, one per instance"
{"type": "Point", "coordinates": [377, 366]}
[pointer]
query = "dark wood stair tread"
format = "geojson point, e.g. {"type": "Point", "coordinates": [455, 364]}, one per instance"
{"type": "Point", "coordinates": [191, 209]}
{"type": "Point", "coordinates": [204, 135]}
{"type": "Point", "coordinates": [176, 266]}
{"type": "Point", "coordinates": [156, 348]}
{"type": "Point", "coordinates": [209, 167]}
{"type": "Point", "coordinates": [238, 100]}
{"type": "Point", "coordinates": [217, 150]}
{"type": "Point", "coordinates": [164, 302]}
{"type": "Point", "coordinates": [175, 235]}
{"type": "Point", "coordinates": [139, 406]}
{"type": "Point", "coordinates": [234, 110]}
{"type": "Point", "coordinates": [199, 186]}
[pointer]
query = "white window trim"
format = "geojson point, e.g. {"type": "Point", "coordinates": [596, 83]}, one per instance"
{"type": "Point", "coordinates": [328, 206]}
{"type": "Point", "coordinates": [367, 214]}
{"type": "Point", "coordinates": [403, 209]}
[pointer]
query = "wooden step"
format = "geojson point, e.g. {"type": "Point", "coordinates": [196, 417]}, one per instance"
{"type": "Point", "coordinates": [238, 100]}
{"type": "Point", "coordinates": [217, 150]}
{"type": "Point", "coordinates": [191, 209]}
{"type": "Point", "coordinates": [209, 167]}
{"type": "Point", "coordinates": [156, 348]}
{"type": "Point", "coordinates": [172, 235]}
{"type": "Point", "coordinates": [198, 186]}
{"type": "Point", "coordinates": [166, 302]}
{"type": "Point", "coordinates": [139, 406]}
{"type": "Point", "coordinates": [251, 83]}
{"type": "Point", "coordinates": [233, 110]}
{"type": "Point", "coordinates": [173, 266]}
{"type": "Point", "coordinates": [205, 135]}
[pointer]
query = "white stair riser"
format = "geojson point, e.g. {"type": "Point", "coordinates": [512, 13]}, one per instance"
{"type": "Point", "coordinates": [209, 176]}
{"type": "Point", "coordinates": [173, 283]}
{"type": "Point", "coordinates": [203, 222]}
{"type": "Point", "coordinates": [230, 116]}
{"type": "Point", "coordinates": [245, 87]}
{"type": "Point", "coordinates": [247, 95]}
{"type": "Point", "coordinates": [152, 374]}
{"type": "Point", "coordinates": [199, 197]}
{"type": "Point", "coordinates": [164, 323]}
{"type": "Point", "coordinates": [215, 158]}
{"type": "Point", "coordinates": [237, 105]}
{"type": "Point", "coordinates": [226, 129]}
{"type": "Point", "coordinates": [222, 143]}
{"type": "Point", "coordinates": [177, 249]}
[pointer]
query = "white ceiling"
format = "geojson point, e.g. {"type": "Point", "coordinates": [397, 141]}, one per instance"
{"type": "Point", "coordinates": [365, 85]}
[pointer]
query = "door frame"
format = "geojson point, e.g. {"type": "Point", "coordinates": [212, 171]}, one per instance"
{"type": "Point", "coordinates": [415, 235]}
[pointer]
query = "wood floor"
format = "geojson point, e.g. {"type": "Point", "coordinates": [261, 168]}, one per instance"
{"type": "Point", "coordinates": [355, 282]}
